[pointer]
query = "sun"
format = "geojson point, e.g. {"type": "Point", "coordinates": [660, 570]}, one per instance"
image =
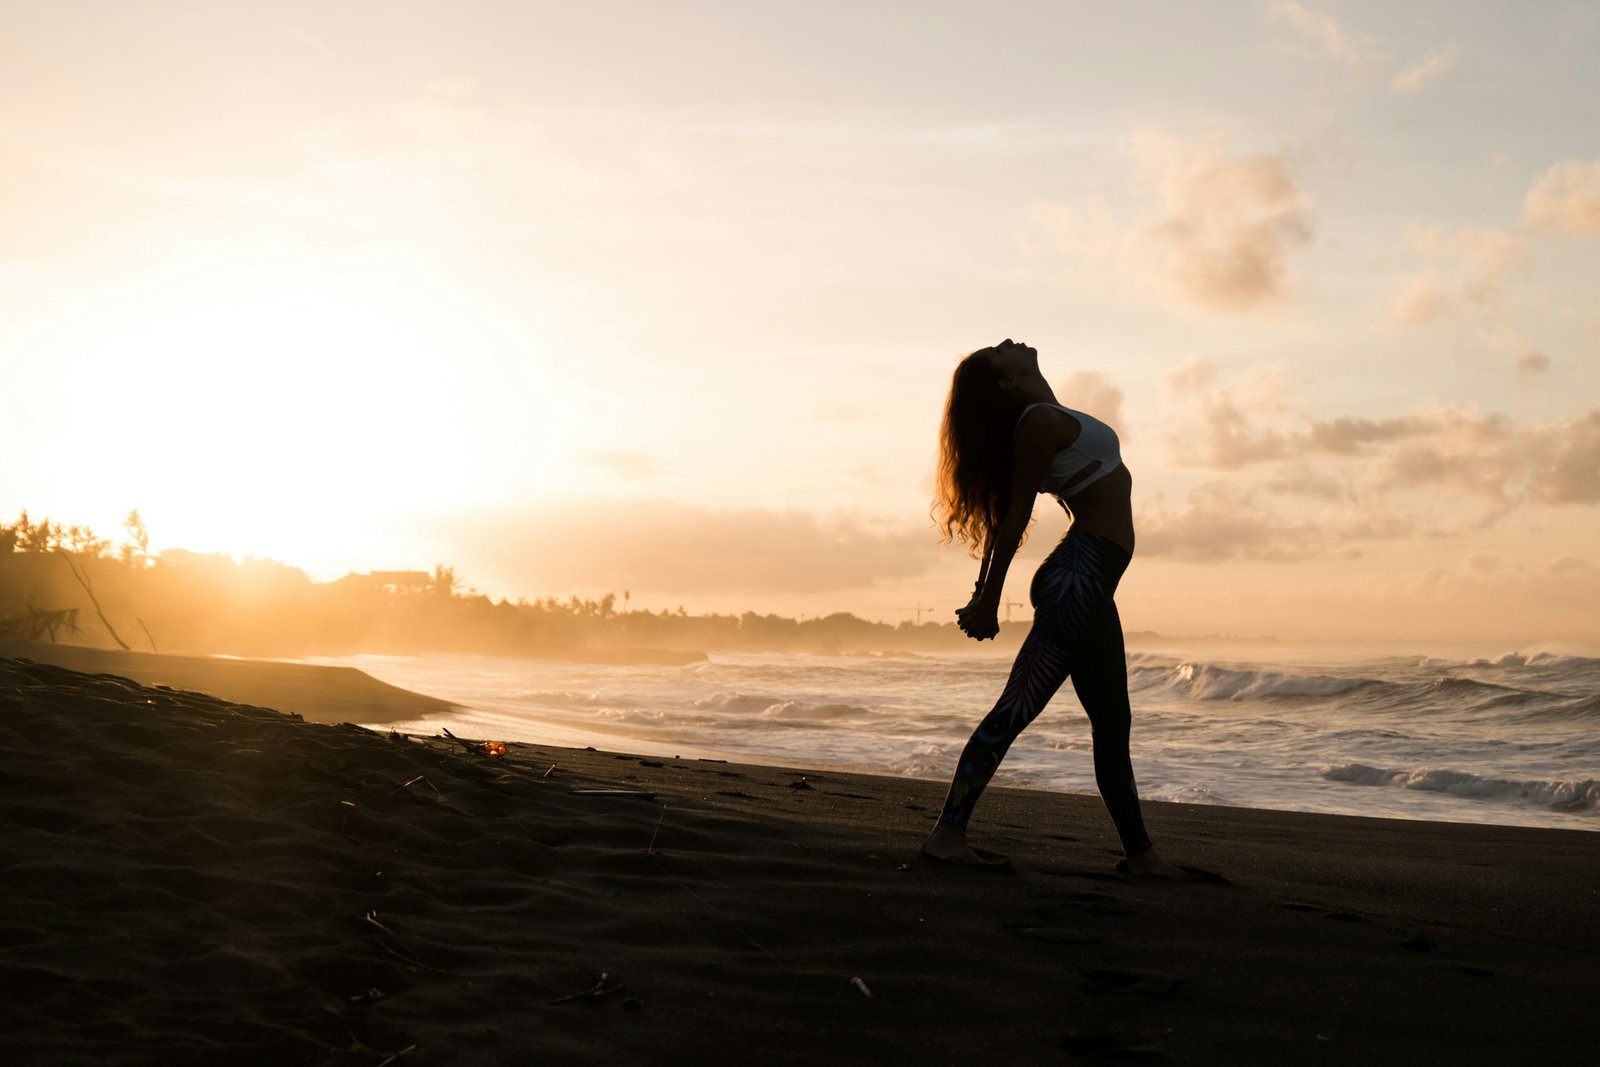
{"type": "Point", "coordinates": [309, 414]}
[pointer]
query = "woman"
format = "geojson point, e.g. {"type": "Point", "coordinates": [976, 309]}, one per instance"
{"type": "Point", "coordinates": [1005, 439]}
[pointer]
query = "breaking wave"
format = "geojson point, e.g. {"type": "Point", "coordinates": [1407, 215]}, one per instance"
{"type": "Point", "coordinates": [1581, 709]}
{"type": "Point", "coordinates": [1539, 659]}
{"type": "Point", "coordinates": [1576, 796]}
{"type": "Point", "coordinates": [777, 708]}
{"type": "Point", "coordinates": [746, 703]}
{"type": "Point", "coordinates": [1205, 681]}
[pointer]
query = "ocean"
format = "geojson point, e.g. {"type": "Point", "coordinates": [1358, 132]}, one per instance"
{"type": "Point", "coordinates": [1513, 739]}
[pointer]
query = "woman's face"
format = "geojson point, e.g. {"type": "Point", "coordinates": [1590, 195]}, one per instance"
{"type": "Point", "coordinates": [1014, 361]}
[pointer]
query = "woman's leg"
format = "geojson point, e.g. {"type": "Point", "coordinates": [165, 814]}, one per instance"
{"type": "Point", "coordinates": [1041, 666]}
{"type": "Point", "coordinates": [1067, 584]}
{"type": "Point", "coordinates": [1077, 632]}
{"type": "Point", "coordinates": [1101, 681]}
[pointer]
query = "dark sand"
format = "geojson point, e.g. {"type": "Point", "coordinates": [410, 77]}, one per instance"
{"type": "Point", "coordinates": [192, 881]}
{"type": "Point", "coordinates": [320, 694]}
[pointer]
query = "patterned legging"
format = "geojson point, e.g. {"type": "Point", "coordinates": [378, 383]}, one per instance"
{"type": "Point", "coordinates": [1077, 633]}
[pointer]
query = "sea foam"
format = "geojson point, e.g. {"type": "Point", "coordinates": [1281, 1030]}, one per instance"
{"type": "Point", "coordinates": [1208, 682]}
{"type": "Point", "coordinates": [1580, 796]}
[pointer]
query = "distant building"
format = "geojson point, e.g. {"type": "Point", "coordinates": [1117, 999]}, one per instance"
{"type": "Point", "coordinates": [392, 581]}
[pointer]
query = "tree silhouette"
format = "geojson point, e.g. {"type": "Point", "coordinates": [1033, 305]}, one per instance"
{"type": "Point", "coordinates": [445, 582]}
{"type": "Point", "coordinates": [137, 548]}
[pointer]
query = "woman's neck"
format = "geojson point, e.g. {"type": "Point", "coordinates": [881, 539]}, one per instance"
{"type": "Point", "coordinates": [1035, 391]}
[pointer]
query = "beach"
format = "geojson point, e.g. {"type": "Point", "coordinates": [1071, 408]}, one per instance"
{"type": "Point", "coordinates": [318, 693]}
{"type": "Point", "coordinates": [191, 880]}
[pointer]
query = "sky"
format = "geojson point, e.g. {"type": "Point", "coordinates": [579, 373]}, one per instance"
{"type": "Point", "coordinates": [665, 298]}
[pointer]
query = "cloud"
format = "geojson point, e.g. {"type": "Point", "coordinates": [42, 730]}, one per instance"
{"type": "Point", "coordinates": [1224, 225]}
{"type": "Point", "coordinates": [1467, 269]}
{"type": "Point", "coordinates": [1234, 426]}
{"type": "Point", "coordinates": [1437, 63]}
{"type": "Point", "coordinates": [666, 547]}
{"type": "Point", "coordinates": [1418, 299]}
{"type": "Point", "coordinates": [1220, 522]}
{"type": "Point", "coordinates": [1475, 455]}
{"type": "Point", "coordinates": [1224, 520]}
{"type": "Point", "coordinates": [1225, 439]}
{"type": "Point", "coordinates": [1467, 455]}
{"type": "Point", "coordinates": [1190, 376]}
{"type": "Point", "coordinates": [1565, 199]}
{"type": "Point", "coordinates": [1350, 435]}
{"type": "Point", "coordinates": [1286, 484]}
{"type": "Point", "coordinates": [1464, 454]}
{"type": "Point", "coordinates": [1533, 364]}
{"type": "Point", "coordinates": [1299, 478]}
{"type": "Point", "coordinates": [1569, 472]}
{"type": "Point", "coordinates": [1481, 456]}
{"type": "Point", "coordinates": [1320, 31]}
{"type": "Point", "coordinates": [1486, 252]}
{"type": "Point", "coordinates": [1090, 390]}
{"type": "Point", "coordinates": [1211, 228]}
{"type": "Point", "coordinates": [1319, 34]}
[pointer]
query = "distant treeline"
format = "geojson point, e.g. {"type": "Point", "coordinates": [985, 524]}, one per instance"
{"type": "Point", "coordinates": [189, 602]}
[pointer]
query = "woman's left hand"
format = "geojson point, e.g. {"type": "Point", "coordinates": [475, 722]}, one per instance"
{"type": "Point", "coordinates": [979, 620]}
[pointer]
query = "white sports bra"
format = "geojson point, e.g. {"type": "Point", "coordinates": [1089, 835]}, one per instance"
{"type": "Point", "coordinates": [1096, 443]}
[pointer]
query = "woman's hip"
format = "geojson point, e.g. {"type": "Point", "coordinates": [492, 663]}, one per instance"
{"type": "Point", "coordinates": [1082, 569]}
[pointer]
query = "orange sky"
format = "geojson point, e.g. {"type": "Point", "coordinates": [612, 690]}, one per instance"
{"type": "Point", "coordinates": [664, 298]}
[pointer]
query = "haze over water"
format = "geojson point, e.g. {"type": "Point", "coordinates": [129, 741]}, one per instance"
{"type": "Point", "coordinates": [1509, 740]}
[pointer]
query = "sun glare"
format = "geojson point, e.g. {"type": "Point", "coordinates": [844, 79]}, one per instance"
{"type": "Point", "coordinates": [305, 416]}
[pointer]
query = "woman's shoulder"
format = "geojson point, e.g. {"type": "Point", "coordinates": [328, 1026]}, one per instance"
{"type": "Point", "coordinates": [1049, 424]}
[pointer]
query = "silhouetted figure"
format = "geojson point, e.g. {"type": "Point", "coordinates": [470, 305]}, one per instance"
{"type": "Point", "coordinates": [1004, 440]}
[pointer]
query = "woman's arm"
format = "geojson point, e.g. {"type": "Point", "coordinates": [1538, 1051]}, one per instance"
{"type": "Point", "coordinates": [1032, 447]}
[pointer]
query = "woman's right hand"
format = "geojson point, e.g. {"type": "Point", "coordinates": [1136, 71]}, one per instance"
{"type": "Point", "coordinates": [979, 620]}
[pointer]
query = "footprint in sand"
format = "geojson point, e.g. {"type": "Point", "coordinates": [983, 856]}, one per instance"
{"type": "Point", "coordinates": [1052, 934]}
{"type": "Point", "coordinates": [1108, 1047]}
{"type": "Point", "coordinates": [1317, 909]}
{"type": "Point", "coordinates": [1111, 981]}
{"type": "Point", "coordinates": [1087, 901]}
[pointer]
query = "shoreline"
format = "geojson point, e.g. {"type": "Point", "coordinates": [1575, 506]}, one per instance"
{"type": "Point", "coordinates": [333, 693]}
{"type": "Point", "coordinates": [198, 880]}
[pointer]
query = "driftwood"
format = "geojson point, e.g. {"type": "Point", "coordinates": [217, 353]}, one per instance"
{"type": "Point", "coordinates": [492, 749]}
{"type": "Point", "coordinates": [37, 624]}
{"type": "Point", "coordinates": [395, 948]}
{"type": "Point", "coordinates": [445, 730]}
{"type": "Point", "coordinates": [83, 580]}
{"type": "Point", "coordinates": [599, 990]}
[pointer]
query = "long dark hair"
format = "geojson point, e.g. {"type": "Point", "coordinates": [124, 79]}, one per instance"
{"type": "Point", "coordinates": [973, 479]}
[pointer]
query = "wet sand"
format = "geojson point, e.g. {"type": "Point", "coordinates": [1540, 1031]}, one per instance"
{"type": "Point", "coordinates": [194, 881]}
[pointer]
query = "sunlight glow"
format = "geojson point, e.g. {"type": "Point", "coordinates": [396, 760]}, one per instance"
{"type": "Point", "coordinates": [250, 408]}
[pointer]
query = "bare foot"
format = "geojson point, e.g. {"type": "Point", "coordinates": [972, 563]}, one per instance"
{"type": "Point", "coordinates": [1149, 865]}
{"type": "Point", "coordinates": [949, 845]}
